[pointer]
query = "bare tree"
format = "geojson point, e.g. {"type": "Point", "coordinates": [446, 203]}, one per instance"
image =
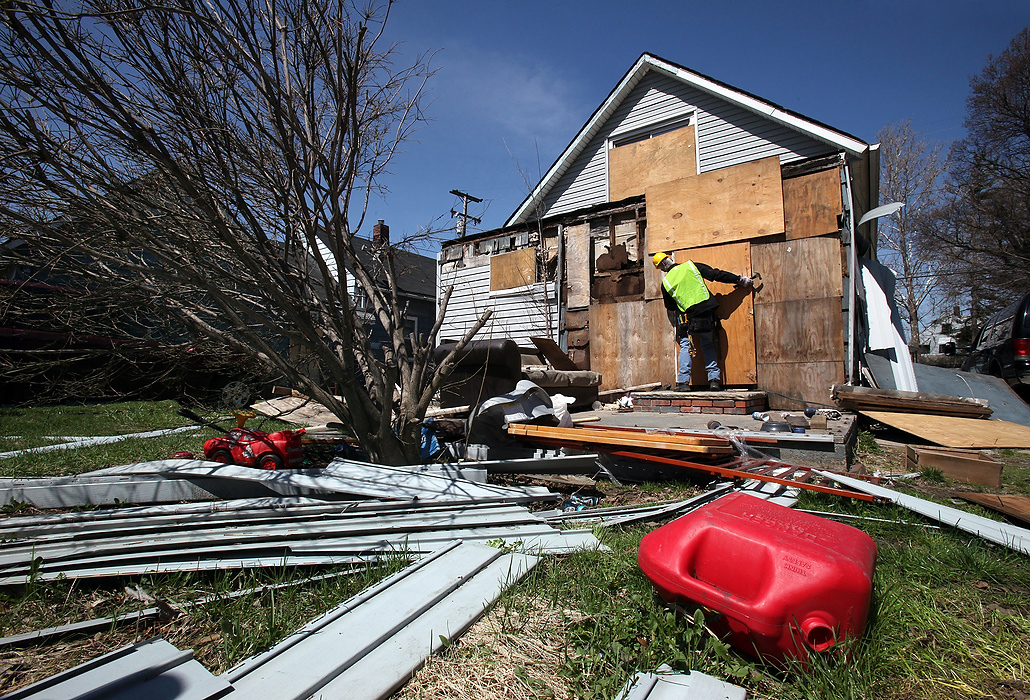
{"type": "Point", "coordinates": [215, 160]}
{"type": "Point", "coordinates": [911, 170]}
{"type": "Point", "coordinates": [988, 227]}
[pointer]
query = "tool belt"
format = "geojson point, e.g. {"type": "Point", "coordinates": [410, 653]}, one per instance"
{"type": "Point", "coordinates": [703, 323]}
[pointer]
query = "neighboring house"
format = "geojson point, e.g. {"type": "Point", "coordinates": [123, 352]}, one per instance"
{"type": "Point", "coordinates": [416, 284]}
{"type": "Point", "coordinates": [941, 337]}
{"type": "Point", "coordinates": [678, 162]}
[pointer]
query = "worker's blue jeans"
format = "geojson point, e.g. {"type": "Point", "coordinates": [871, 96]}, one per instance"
{"type": "Point", "coordinates": [705, 342]}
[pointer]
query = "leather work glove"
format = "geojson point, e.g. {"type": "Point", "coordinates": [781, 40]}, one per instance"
{"type": "Point", "coordinates": [745, 281]}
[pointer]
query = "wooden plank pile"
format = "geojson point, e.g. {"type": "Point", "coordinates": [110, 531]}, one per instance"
{"type": "Point", "coordinates": [862, 399]}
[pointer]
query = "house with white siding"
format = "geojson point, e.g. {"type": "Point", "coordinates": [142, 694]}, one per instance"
{"type": "Point", "coordinates": [679, 162]}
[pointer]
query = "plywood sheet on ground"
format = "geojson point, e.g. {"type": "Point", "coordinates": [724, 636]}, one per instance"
{"type": "Point", "coordinates": [793, 385]}
{"type": "Point", "coordinates": [736, 339]}
{"type": "Point", "coordinates": [632, 343]}
{"type": "Point", "coordinates": [732, 204]}
{"type": "Point", "coordinates": [666, 157]}
{"type": "Point", "coordinates": [976, 433]}
{"type": "Point", "coordinates": [811, 204]}
{"type": "Point", "coordinates": [514, 269]}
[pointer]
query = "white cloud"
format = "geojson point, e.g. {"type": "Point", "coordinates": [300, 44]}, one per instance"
{"type": "Point", "coordinates": [523, 99]}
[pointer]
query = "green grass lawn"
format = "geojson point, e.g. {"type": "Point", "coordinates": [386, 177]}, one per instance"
{"type": "Point", "coordinates": [950, 612]}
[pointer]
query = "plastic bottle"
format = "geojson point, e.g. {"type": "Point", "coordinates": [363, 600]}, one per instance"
{"type": "Point", "coordinates": [758, 415]}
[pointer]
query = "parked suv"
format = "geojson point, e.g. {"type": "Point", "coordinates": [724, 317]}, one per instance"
{"type": "Point", "coordinates": [1002, 347]}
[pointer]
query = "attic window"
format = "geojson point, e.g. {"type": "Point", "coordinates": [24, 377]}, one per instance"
{"type": "Point", "coordinates": [624, 137]}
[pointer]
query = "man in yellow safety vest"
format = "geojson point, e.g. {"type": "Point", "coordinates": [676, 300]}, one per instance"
{"type": "Point", "coordinates": [691, 309]}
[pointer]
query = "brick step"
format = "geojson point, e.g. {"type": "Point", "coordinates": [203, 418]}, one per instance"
{"type": "Point", "coordinates": [729, 401]}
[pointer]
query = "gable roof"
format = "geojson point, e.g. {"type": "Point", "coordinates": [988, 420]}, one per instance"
{"type": "Point", "coordinates": [647, 63]}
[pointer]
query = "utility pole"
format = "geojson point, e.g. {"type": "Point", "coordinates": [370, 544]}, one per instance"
{"type": "Point", "coordinates": [463, 215]}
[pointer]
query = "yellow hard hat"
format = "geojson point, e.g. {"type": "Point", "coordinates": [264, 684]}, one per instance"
{"type": "Point", "coordinates": [657, 259]}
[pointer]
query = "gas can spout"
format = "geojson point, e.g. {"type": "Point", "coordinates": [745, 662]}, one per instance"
{"type": "Point", "coordinates": [818, 632]}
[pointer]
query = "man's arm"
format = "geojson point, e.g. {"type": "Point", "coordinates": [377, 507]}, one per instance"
{"type": "Point", "coordinates": [672, 309]}
{"type": "Point", "coordinates": [717, 275]}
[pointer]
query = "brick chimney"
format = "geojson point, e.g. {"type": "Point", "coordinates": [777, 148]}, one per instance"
{"type": "Point", "coordinates": [381, 234]}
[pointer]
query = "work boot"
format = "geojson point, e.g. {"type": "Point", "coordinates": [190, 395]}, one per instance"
{"type": "Point", "coordinates": [682, 386]}
{"type": "Point", "coordinates": [715, 385]}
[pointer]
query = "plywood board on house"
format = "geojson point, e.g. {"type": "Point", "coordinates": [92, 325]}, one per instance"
{"type": "Point", "coordinates": [798, 319]}
{"type": "Point", "coordinates": [632, 343]}
{"type": "Point", "coordinates": [793, 385]}
{"type": "Point", "coordinates": [663, 158]}
{"type": "Point", "coordinates": [577, 265]}
{"type": "Point", "coordinates": [949, 431]}
{"type": "Point", "coordinates": [802, 330]}
{"type": "Point", "coordinates": [811, 204]}
{"type": "Point", "coordinates": [732, 204]}
{"type": "Point", "coordinates": [514, 269]}
{"type": "Point", "coordinates": [736, 338]}
{"type": "Point", "coordinates": [801, 269]}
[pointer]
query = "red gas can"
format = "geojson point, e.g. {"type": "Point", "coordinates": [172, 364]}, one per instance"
{"type": "Point", "coordinates": [785, 582]}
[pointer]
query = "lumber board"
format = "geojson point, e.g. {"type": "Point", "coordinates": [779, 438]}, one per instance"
{"type": "Point", "coordinates": [811, 204]}
{"type": "Point", "coordinates": [514, 269]}
{"type": "Point", "coordinates": [968, 467]}
{"type": "Point", "coordinates": [577, 265]}
{"type": "Point", "coordinates": [732, 204]}
{"type": "Point", "coordinates": [736, 340]}
{"type": "Point", "coordinates": [636, 166]}
{"type": "Point", "coordinates": [1017, 507]}
{"type": "Point", "coordinates": [951, 431]}
{"type": "Point", "coordinates": [632, 343]}
{"type": "Point", "coordinates": [652, 277]}
{"type": "Point", "coordinates": [554, 354]}
{"type": "Point", "coordinates": [607, 437]}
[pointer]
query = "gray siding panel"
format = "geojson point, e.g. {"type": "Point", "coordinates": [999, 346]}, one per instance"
{"type": "Point", "coordinates": [517, 315]}
{"type": "Point", "coordinates": [727, 135]}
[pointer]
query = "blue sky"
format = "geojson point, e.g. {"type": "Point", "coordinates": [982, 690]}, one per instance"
{"type": "Point", "coordinates": [517, 80]}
